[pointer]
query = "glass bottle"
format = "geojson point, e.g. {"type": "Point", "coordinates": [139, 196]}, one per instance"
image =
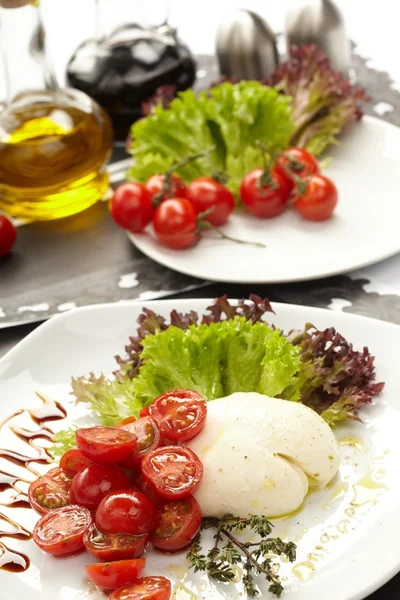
{"type": "Point", "coordinates": [131, 58]}
{"type": "Point", "coordinates": [54, 143]}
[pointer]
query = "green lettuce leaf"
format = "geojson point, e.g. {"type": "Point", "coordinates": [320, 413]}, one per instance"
{"type": "Point", "coordinates": [230, 118]}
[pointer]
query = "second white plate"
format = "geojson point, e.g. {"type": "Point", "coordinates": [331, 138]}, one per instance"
{"type": "Point", "coordinates": [364, 229]}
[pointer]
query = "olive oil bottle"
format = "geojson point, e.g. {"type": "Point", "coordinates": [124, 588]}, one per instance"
{"type": "Point", "coordinates": [54, 143]}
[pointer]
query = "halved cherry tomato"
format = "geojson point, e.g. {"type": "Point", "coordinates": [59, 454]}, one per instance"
{"type": "Point", "coordinates": [144, 412]}
{"type": "Point", "coordinates": [49, 492]}
{"type": "Point", "coordinates": [146, 588]}
{"type": "Point", "coordinates": [174, 471]}
{"type": "Point", "coordinates": [105, 445]}
{"type": "Point", "coordinates": [61, 532]}
{"type": "Point", "coordinates": [148, 490]}
{"type": "Point", "coordinates": [126, 421]}
{"type": "Point", "coordinates": [148, 438]}
{"type": "Point", "coordinates": [298, 161]}
{"type": "Point", "coordinates": [118, 546]}
{"type": "Point", "coordinates": [264, 200]}
{"type": "Point", "coordinates": [178, 524]}
{"type": "Point", "coordinates": [111, 575]}
{"type": "Point", "coordinates": [318, 202]}
{"type": "Point", "coordinates": [126, 511]}
{"type": "Point", "coordinates": [180, 414]}
{"type": "Point", "coordinates": [90, 485]}
{"type": "Point", "coordinates": [155, 184]}
{"type": "Point", "coordinates": [73, 461]}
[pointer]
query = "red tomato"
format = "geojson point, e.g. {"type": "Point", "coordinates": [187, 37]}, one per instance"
{"type": "Point", "coordinates": [175, 224]}
{"type": "Point", "coordinates": [61, 532]}
{"type": "Point", "coordinates": [144, 412]}
{"type": "Point", "coordinates": [178, 524]}
{"type": "Point", "coordinates": [73, 461]}
{"type": "Point", "coordinates": [90, 485]}
{"type": "Point", "coordinates": [155, 183]}
{"type": "Point", "coordinates": [180, 414]}
{"type": "Point", "coordinates": [174, 471]}
{"type": "Point", "coordinates": [131, 206]}
{"type": "Point", "coordinates": [146, 588]}
{"type": "Point", "coordinates": [299, 161]}
{"type": "Point", "coordinates": [49, 492]}
{"type": "Point", "coordinates": [148, 490]}
{"type": "Point", "coordinates": [105, 445]}
{"type": "Point", "coordinates": [318, 202]}
{"type": "Point", "coordinates": [264, 201]}
{"type": "Point", "coordinates": [126, 511]}
{"type": "Point", "coordinates": [109, 576]}
{"type": "Point", "coordinates": [148, 438]}
{"type": "Point", "coordinates": [8, 235]}
{"type": "Point", "coordinates": [206, 193]}
{"type": "Point", "coordinates": [126, 421]}
{"type": "Point", "coordinates": [119, 546]}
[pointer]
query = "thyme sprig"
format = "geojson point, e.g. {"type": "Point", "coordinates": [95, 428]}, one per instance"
{"type": "Point", "coordinates": [228, 550]}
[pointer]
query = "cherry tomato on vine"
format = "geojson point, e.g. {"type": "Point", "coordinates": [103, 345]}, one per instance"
{"type": "Point", "coordinates": [205, 193]}
{"type": "Point", "coordinates": [49, 492]}
{"type": "Point", "coordinates": [180, 414]}
{"type": "Point", "coordinates": [174, 471]}
{"type": "Point", "coordinates": [8, 235]}
{"type": "Point", "coordinates": [178, 524]}
{"type": "Point", "coordinates": [155, 184]}
{"type": "Point", "coordinates": [111, 575]}
{"type": "Point", "coordinates": [73, 461]}
{"type": "Point", "coordinates": [105, 445]}
{"type": "Point", "coordinates": [128, 511]}
{"type": "Point", "coordinates": [318, 202]}
{"type": "Point", "coordinates": [299, 161]}
{"type": "Point", "coordinates": [267, 200]}
{"type": "Point", "coordinates": [131, 206]}
{"type": "Point", "coordinates": [146, 588]}
{"type": "Point", "coordinates": [107, 547]}
{"type": "Point", "coordinates": [60, 532]}
{"type": "Point", "coordinates": [92, 483]}
{"type": "Point", "coordinates": [175, 223]}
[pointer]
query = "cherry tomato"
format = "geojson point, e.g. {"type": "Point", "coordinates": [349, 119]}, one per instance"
{"type": "Point", "coordinates": [174, 471]}
{"type": "Point", "coordinates": [110, 575]}
{"type": "Point", "coordinates": [148, 490]}
{"type": "Point", "coordinates": [180, 414]}
{"type": "Point", "coordinates": [146, 588]}
{"type": "Point", "coordinates": [61, 532]}
{"type": "Point", "coordinates": [119, 546]}
{"type": "Point", "coordinates": [178, 524]}
{"type": "Point", "coordinates": [264, 201]}
{"type": "Point", "coordinates": [126, 421]}
{"type": "Point", "coordinates": [90, 485]}
{"type": "Point", "coordinates": [105, 445]}
{"type": "Point", "coordinates": [155, 183]}
{"type": "Point", "coordinates": [298, 160]}
{"type": "Point", "coordinates": [148, 438]}
{"type": "Point", "coordinates": [8, 235]}
{"type": "Point", "coordinates": [131, 206]}
{"type": "Point", "coordinates": [144, 412]}
{"type": "Point", "coordinates": [175, 223]}
{"type": "Point", "coordinates": [319, 200]}
{"type": "Point", "coordinates": [73, 461]}
{"type": "Point", "coordinates": [49, 492]}
{"type": "Point", "coordinates": [126, 511]}
{"type": "Point", "coordinates": [206, 193]}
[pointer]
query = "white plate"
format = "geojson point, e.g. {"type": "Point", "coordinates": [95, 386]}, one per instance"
{"type": "Point", "coordinates": [364, 229]}
{"type": "Point", "coordinates": [362, 551]}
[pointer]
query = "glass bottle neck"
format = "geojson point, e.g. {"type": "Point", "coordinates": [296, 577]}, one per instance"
{"type": "Point", "coordinates": [26, 66]}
